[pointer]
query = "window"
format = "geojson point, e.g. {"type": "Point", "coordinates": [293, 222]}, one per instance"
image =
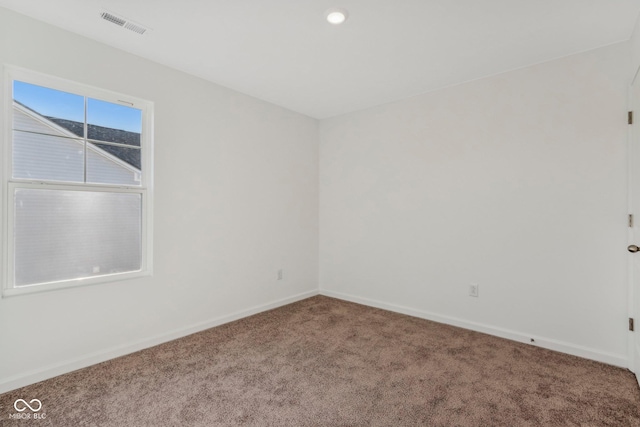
{"type": "Point", "coordinates": [76, 187]}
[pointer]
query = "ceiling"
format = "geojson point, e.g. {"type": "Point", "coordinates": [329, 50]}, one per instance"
{"type": "Point", "coordinates": [284, 51]}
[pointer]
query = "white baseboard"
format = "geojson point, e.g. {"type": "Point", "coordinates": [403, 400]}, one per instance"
{"type": "Point", "coordinates": [551, 344]}
{"type": "Point", "coordinates": [42, 374]}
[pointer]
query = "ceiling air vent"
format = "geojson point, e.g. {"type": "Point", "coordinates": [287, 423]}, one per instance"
{"type": "Point", "coordinates": [135, 28]}
{"type": "Point", "coordinates": [114, 19]}
{"type": "Point", "coordinates": [123, 22]}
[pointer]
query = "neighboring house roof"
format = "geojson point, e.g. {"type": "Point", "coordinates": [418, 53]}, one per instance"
{"type": "Point", "coordinates": [99, 133]}
{"type": "Point", "coordinates": [129, 156]}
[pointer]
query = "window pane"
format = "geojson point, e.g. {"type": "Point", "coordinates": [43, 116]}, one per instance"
{"type": "Point", "coordinates": [112, 164]}
{"type": "Point", "coordinates": [47, 157]}
{"type": "Point", "coordinates": [43, 110]}
{"type": "Point", "coordinates": [63, 234]}
{"type": "Point", "coordinates": [111, 122]}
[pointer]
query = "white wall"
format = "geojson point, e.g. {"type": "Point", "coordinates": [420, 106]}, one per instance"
{"type": "Point", "coordinates": [635, 48]}
{"type": "Point", "coordinates": [516, 182]}
{"type": "Point", "coordinates": [236, 198]}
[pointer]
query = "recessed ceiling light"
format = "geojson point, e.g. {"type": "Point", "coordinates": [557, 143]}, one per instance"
{"type": "Point", "coordinates": [336, 16]}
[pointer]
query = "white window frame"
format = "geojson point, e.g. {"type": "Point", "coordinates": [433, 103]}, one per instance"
{"type": "Point", "coordinates": [10, 184]}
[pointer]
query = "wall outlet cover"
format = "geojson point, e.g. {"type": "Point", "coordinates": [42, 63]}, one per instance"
{"type": "Point", "coordinates": [473, 290]}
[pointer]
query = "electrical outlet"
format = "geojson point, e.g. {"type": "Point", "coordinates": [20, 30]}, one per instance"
{"type": "Point", "coordinates": [280, 274]}
{"type": "Point", "coordinates": [473, 290]}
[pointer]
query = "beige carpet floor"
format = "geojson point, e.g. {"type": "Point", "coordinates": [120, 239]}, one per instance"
{"type": "Point", "coordinates": [325, 362]}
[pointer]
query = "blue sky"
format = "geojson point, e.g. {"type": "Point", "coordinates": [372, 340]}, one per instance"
{"type": "Point", "coordinates": [63, 105]}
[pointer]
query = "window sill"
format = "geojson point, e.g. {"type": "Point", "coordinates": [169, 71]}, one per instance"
{"type": "Point", "coordinates": [89, 281]}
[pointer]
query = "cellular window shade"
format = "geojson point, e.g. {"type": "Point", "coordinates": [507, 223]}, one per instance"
{"type": "Point", "coordinates": [65, 234]}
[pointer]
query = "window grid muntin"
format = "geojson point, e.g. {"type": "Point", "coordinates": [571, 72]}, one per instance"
{"type": "Point", "coordinates": [86, 140]}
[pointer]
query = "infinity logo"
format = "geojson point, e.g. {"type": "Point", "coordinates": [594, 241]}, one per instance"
{"type": "Point", "coordinates": [26, 405]}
